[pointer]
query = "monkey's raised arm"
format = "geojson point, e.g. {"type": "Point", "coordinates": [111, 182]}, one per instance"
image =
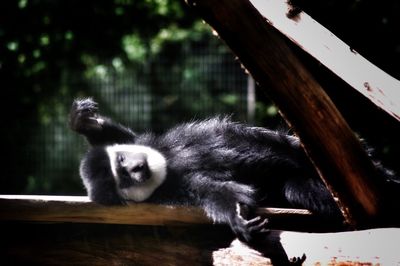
{"type": "Point", "coordinates": [98, 130]}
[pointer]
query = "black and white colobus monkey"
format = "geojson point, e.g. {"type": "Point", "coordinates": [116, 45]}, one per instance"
{"type": "Point", "coordinates": [219, 165]}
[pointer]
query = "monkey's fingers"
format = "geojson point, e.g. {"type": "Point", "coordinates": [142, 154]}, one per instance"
{"type": "Point", "coordinates": [257, 225]}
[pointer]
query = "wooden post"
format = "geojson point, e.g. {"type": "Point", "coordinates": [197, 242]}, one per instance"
{"type": "Point", "coordinates": [329, 141]}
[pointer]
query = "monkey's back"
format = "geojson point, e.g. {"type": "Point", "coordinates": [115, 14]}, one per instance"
{"type": "Point", "coordinates": [228, 150]}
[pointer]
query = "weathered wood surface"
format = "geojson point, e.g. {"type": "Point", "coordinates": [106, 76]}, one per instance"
{"type": "Point", "coordinates": [369, 80]}
{"type": "Point", "coordinates": [82, 210]}
{"type": "Point", "coordinates": [328, 139]}
{"type": "Point", "coordinates": [76, 209]}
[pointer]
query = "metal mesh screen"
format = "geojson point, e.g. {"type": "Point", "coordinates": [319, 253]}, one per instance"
{"type": "Point", "coordinates": [196, 81]}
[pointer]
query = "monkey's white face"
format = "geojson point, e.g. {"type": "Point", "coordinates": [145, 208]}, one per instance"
{"type": "Point", "coordinates": [138, 170]}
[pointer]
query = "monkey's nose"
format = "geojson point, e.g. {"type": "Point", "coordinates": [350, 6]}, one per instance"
{"type": "Point", "coordinates": [138, 167]}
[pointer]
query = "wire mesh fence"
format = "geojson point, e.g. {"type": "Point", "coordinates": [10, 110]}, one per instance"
{"type": "Point", "coordinates": [198, 80]}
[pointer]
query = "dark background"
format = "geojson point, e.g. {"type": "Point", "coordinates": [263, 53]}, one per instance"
{"type": "Point", "coordinates": [151, 64]}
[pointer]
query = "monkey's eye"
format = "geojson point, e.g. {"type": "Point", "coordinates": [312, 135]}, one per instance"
{"type": "Point", "coordinates": [120, 158]}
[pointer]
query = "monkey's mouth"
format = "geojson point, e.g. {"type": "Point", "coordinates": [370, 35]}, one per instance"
{"type": "Point", "coordinates": [127, 179]}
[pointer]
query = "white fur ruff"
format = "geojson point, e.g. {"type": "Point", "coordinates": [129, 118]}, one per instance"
{"type": "Point", "coordinates": [157, 165]}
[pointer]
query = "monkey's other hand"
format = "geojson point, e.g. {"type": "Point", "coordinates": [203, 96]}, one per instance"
{"type": "Point", "coordinates": [83, 116]}
{"type": "Point", "coordinates": [249, 230]}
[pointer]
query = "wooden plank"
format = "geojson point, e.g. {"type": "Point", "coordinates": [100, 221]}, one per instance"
{"type": "Point", "coordinates": [82, 210]}
{"type": "Point", "coordinates": [369, 80]}
{"type": "Point", "coordinates": [327, 138]}
{"type": "Point", "coordinates": [76, 209]}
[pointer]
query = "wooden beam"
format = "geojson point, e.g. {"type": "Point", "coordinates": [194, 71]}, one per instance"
{"type": "Point", "coordinates": [82, 210]}
{"type": "Point", "coordinates": [328, 139]}
{"type": "Point", "coordinates": [76, 209]}
{"type": "Point", "coordinates": [369, 80]}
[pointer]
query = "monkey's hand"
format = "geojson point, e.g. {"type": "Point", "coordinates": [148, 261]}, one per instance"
{"type": "Point", "coordinates": [247, 229]}
{"type": "Point", "coordinates": [83, 116]}
{"type": "Point", "coordinates": [297, 261]}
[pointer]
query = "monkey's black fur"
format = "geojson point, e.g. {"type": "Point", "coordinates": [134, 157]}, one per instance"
{"type": "Point", "coordinates": [216, 164]}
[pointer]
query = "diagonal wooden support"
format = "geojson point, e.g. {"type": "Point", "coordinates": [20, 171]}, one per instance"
{"type": "Point", "coordinates": [369, 80]}
{"type": "Point", "coordinates": [329, 141]}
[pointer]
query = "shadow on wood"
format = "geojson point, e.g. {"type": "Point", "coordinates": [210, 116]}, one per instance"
{"type": "Point", "coordinates": [103, 244]}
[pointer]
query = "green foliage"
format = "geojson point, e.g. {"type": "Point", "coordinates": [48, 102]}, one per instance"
{"type": "Point", "coordinates": [22, 3]}
{"type": "Point", "coordinates": [134, 48]}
